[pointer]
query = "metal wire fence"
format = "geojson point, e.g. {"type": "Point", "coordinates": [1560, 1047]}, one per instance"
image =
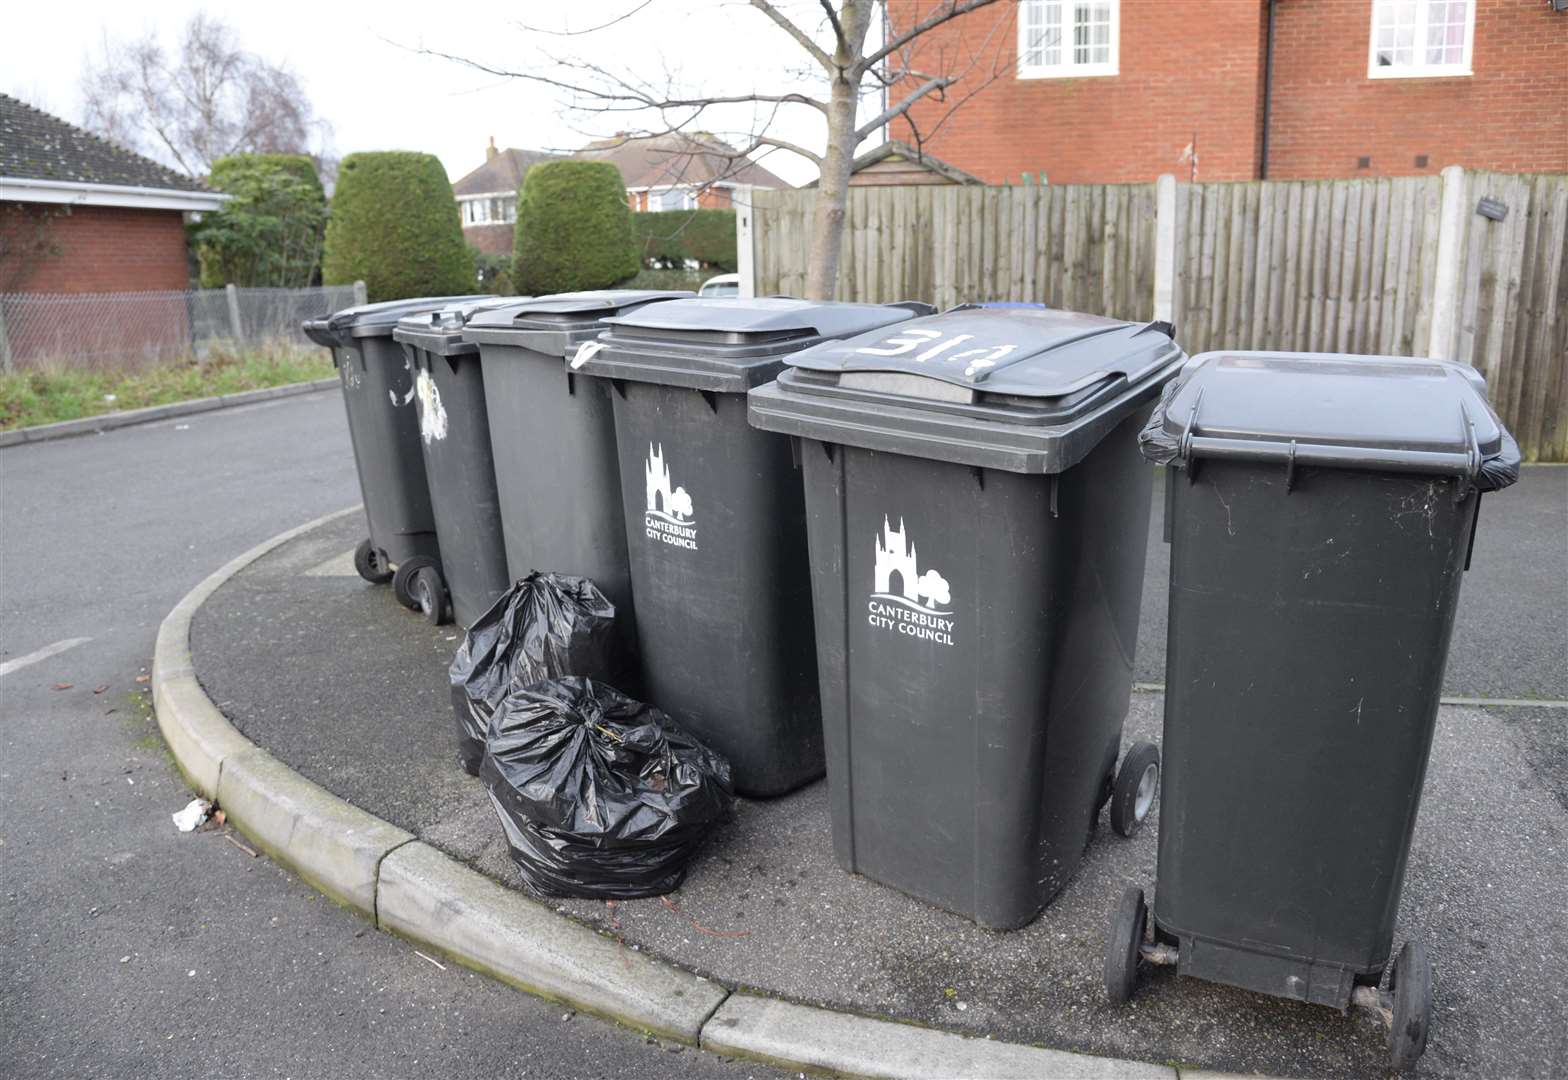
{"type": "Point", "coordinates": [97, 331]}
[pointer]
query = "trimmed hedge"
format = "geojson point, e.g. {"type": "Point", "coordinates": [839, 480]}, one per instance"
{"type": "Point", "coordinates": [269, 233]}
{"type": "Point", "coordinates": [672, 236]}
{"type": "Point", "coordinates": [574, 229]}
{"type": "Point", "coordinates": [226, 169]}
{"type": "Point", "coordinates": [395, 224]}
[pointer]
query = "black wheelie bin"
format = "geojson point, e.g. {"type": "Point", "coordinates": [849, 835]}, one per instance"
{"type": "Point", "coordinates": [716, 523]}
{"type": "Point", "coordinates": [384, 429]}
{"type": "Point", "coordinates": [977, 514]}
{"type": "Point", "coordinates": [1320, 511]}
{"type": "Point", "coordinates": [449, 396]}
{"type": "Point", "coordinates": [552, 431]}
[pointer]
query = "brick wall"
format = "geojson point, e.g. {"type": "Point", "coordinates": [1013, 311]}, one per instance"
{"type": "Point", "coordinates": [491, 239]}
{"type": "Point", "coordinates": [1510, 115]}
{"type": "Point", "coordinates": [1185, 68]}
{"type": "Point", "coordinates": [102, 249]}
{"type": "Point", "coordinates": [1196, 67]}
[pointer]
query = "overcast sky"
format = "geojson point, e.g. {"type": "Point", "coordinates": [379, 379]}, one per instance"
{"type": "Point", "coordinates": [361, 76]}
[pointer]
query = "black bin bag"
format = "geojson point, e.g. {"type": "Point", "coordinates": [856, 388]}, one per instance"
{"type": "Point", "coordinates": [544, 627]}
{"type": "Point", "coordinates": [600, 796]}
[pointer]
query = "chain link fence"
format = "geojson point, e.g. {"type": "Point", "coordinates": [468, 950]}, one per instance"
{"type": "Point", "coordinates": [97, 331]}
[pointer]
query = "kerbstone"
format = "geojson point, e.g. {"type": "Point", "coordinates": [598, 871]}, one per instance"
{"type": "Point", "coordinates": [332, 844]}
{"type": "Point", "coordinates": [800, 1036]}
{"type": "Point", "coordinates": [199, 736]}
{"type": "Point", "coordinates": [432, 899]}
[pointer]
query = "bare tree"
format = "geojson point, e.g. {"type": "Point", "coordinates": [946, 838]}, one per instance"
{"type": "Point", "coordinates": [208, 99]}
{"type": "Point", "coordinates": [844, 66]}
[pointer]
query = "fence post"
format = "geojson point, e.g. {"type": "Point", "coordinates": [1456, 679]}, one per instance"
{"type": "Point", "coordinates": [5, 343]}
{"type": "Point", "coordinates": [361, 295]}
{"type": "Point", "coordinates": [1165, 248]}
{"type": "Point", "coordinates": [745, 253]}
{"type": "Point", "coordinates": [1445, 284]}
{"type": "Point", "coordinates": [235, 326]}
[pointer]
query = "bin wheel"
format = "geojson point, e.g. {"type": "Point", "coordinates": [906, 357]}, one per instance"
{"type": "Point", "coordinates": [403, 580]}
{"type": "Point", "coordinates": [371, 563]}
{"type": "Point", "coordinates": [1124, 946]}
{"type": "Point", "coordinates": [1136, 785]}
{"type": "Point", "coordinates": [1411, 985]}
{"type": "Point", "coordinates": [430, 591]}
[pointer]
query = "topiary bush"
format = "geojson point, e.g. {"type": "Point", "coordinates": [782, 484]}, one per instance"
{"type": "Point", "coordinates": [269, 233]}
{"type": "Point", "coordinates": [395, 224]}
{"type": "Point", "coordinates": [670, 237]}
{"type": "Point", "coordinates": [574, 229]}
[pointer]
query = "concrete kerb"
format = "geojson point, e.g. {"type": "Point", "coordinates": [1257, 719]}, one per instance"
{"type": "Point", "coordinates": [413, 890]}
{"type": "Point", "coordinates": [92, 425]}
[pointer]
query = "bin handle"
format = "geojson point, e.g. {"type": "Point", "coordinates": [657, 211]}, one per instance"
{"type": "Point", "coordinates": [1417, 461]}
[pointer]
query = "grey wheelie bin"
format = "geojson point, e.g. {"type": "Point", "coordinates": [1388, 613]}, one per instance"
{"type": "Point", "coordinates": [553, 434]}
{"type": "Point", "coordinates": [454, 431]}
{"type": "Point", "coordinates": [1320, 511]}
{"type": "Point", "coordinates": [978, 515]}
{"type": "Point", "coordinates": [384, 429]}
{"type": "Point", "coordinates": [716, 523]}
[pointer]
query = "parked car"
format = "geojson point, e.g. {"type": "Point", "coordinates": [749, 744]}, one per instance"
{"type": "Point", "coordinates": [721, 285]}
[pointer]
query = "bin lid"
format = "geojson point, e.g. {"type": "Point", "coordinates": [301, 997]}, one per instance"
{"type": "Point", "coordinates": [373, 320]}
{"type": "Point", "coordinates": [1017, 388]}
{"type": "Point", "coordinates": [554, 324]}
{"type": "Point", "coordinates": [441, 331]}
{"type": "Point", "coordinates": [726, 345]}
{"type": "Point", "coordinates": [1394, 413]}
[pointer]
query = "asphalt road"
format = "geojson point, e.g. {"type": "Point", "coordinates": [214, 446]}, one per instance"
{"type": "Point", "coordinates": [766, 905]}
{"type": "Point", "coordinates": [127, 948]}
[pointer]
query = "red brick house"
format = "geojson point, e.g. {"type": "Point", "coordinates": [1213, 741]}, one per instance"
{"type": "Point", "coordinates": [487, 197]}
{"type": "Point", "coordinates": [679, 171]}
{"type": "Point", "coordinates": [1119, 90]}
{"type": "Point", "coordinates": [81, 215]}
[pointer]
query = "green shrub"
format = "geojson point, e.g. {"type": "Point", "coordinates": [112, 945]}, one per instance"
{"type": "Point", "coordinates": [395, 225]}
{"type": "Point", "coordinates": [492, 272]}
{"type": "Point", "coordinates": [574, 229]}
{"type": "Point", "coordinates": [669, 237]}
{"type": "Point", "coordinates": [269, 233]}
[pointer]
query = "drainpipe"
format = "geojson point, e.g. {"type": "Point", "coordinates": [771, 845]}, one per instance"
{"type": "Point", "coordinates": [1268, 96]}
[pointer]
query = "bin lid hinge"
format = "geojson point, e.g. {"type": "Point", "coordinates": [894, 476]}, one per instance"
{"type": "Point", "coordinates": [1290, 467]}
{"type": "Point", "coordinates": [1472, 455]}
{"type": "Point", "coordinates": [1186, 436]}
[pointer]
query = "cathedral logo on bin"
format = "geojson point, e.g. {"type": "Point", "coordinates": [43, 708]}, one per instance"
{"type": "Point", "coordinates": [669, 518]}
{"type": "Point", "coordinates": [903, 599]}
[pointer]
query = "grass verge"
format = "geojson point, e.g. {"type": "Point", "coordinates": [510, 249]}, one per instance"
{"type": "Point", "coordinates": [46, 396]}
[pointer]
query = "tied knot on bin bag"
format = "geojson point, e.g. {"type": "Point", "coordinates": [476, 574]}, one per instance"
{"type": "Point", "coordinates": [600, 796]}
{"type": "Point", "coordinates": [544, 627]}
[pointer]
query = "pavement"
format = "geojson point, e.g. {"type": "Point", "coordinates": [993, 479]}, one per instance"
{"type": "Point", "coordinates": [766, 908]}
{"type": "Point", "coordinates": [127, 947]}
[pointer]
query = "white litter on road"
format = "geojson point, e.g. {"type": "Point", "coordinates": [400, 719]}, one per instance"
{"type": "Point", "coordinates": [195, 812]}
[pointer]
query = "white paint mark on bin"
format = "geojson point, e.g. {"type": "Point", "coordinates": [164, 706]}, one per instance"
{"type": "Point", "coordinates": [432, 414]}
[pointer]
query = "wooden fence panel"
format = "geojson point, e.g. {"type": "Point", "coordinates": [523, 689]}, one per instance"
{"type": "Point", "coordinates": [1085, 247]}
{"type": "Point", "coordinates": [1513, 305]}
{"type": "Point", "coordinates": [1333, 266]}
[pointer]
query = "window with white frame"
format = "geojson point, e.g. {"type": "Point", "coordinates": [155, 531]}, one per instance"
{"type": "Point", "coordinates": [1060, 39]}
{"type": "Point", "coordinates": [1420, 38]}
{"type": "Point", "coordinates": [672, 199]}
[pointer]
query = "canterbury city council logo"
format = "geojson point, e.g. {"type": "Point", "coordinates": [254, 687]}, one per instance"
{"type": "Point", "coordinates": [669, 518]}
{"type": "Point", "coordinates": [904, 600]}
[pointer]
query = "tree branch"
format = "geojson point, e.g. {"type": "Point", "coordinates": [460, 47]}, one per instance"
{"type": "Point", "coordinates": [801, 37]}
{"type": "Point", "coordinates": [759, 141]}
{"type": "Point", "coordinates": [838, 27]}
{"type": "Point", "coordinates": [894, 111]}
{"type": "Point", "coordinates": [950, 10]}
{"type": "Point", "coordinates": [621, 93]}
